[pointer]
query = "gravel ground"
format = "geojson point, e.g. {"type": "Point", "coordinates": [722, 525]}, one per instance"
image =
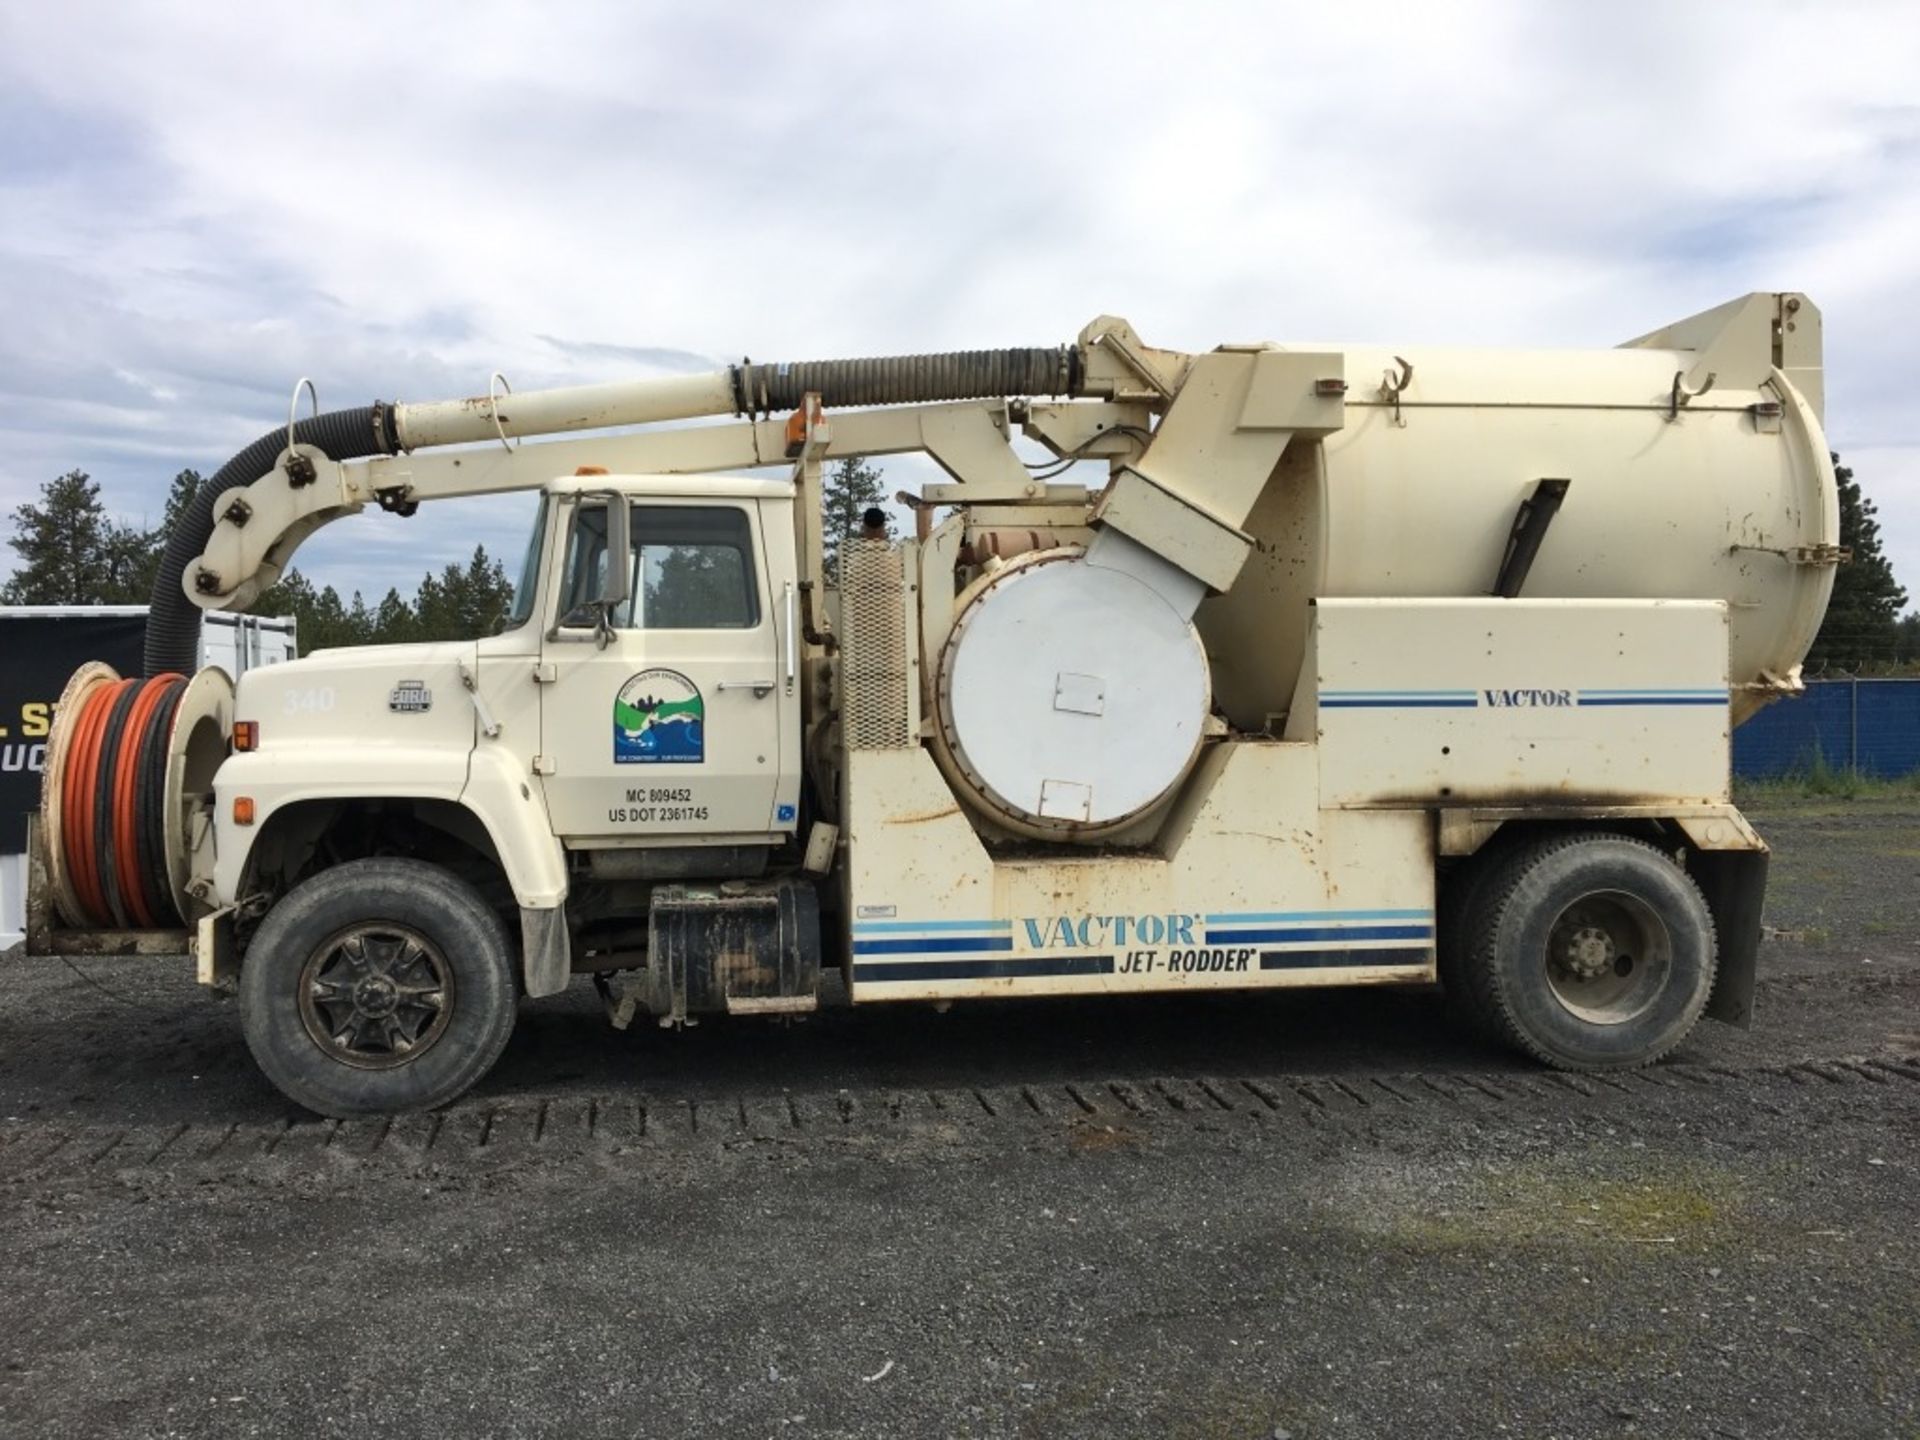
{"type": "Point", "coordinates": [1311, 1215]}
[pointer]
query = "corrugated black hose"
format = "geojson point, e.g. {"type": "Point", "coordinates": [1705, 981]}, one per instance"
{"type": "Point", "coordinates": [173, 621]}
{"type": "Point", "coordinates": [906, 379]}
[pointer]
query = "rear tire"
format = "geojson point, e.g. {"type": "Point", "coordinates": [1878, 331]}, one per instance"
{"type": "Point", "coordinates": [378, 987]}
{"type": "Point", "coordinates": [1588, 952]}
{"type": "Point", "coordinates": [1460, 910]}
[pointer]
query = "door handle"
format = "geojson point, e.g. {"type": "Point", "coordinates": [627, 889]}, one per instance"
{"type": "Point", "coordinates": [760, 688]}
{"type": "Point", "coordinates": [791, 649]}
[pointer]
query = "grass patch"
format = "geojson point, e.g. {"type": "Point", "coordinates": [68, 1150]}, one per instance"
{"type": "Point", "coordinates": [1819, 779]}
{"type": "Point", "coordinates": [1823, 780]}
{"type": "Point", "coordinates": [1689, 1206]}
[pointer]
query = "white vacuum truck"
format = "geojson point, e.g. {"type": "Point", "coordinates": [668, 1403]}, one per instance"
{"type": "Point", "coordinates": [1361, 666]}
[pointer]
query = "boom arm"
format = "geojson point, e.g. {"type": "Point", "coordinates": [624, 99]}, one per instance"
{"type": "Point", "coordinates": [953, 407]}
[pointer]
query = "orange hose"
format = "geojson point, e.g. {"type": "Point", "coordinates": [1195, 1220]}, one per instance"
{"type": "Point", "coordinates": [73, 829]}
{"type": "Point", "coordinates": [83, 863]}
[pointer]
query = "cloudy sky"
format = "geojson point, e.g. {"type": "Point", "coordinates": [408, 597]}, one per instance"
{"type": "Point", "coordinates": [202, 202]}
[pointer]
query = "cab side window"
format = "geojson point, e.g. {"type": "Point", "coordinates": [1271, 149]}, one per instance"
{"type": "Point", "coordinates": [692, 570]}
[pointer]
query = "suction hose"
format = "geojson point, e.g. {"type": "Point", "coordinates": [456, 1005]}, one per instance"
{"type": "Point", "coordinates": [173, 621]}
{"type": "Point", "coordinates": [906, 379]}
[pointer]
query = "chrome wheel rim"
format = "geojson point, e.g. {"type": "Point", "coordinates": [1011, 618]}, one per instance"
{"type": "Point", "coordinates": [1608, 957]}
{"type": "Point", "coordinates": [376, 995]}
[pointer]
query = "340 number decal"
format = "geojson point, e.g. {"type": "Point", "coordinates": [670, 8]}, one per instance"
{"type": "Point", "coordinates": [307, 702]}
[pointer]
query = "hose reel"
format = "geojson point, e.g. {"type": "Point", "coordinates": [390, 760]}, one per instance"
{"type": "Point", "coordinates": [129, 764]}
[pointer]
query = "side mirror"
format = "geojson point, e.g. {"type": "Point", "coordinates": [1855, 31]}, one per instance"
{"type": "Point", "coordinates": [619, 579]}
{"type": "Point", "coordinates": [615, 563]}
{"type": "Point", "coordinates": [617, 585]}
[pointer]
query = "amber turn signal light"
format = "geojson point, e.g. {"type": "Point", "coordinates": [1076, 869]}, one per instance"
{"type": "Point", "coordinates": [246, 734]}
{"type": "Point", "coordinates": [243, 810]}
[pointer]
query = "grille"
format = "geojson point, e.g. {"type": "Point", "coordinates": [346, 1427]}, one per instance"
{"type": "Point", "coordinates": [873, 647]}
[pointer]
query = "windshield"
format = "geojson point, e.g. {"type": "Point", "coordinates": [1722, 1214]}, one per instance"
{"type": "Point", "coordinates": [529, 582]}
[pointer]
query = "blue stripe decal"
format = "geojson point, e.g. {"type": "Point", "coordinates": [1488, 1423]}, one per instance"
{"type": "Point", "coordinates": [1326, 704]}
{"type": "Point", "coordinates": [884, 972]}
{"type": "Point", "coordinates": [1338, 959]}
{"type": "Point", "coordinates": [1653, 700]}
{"type": "Point", "coordinates": [968, 945]}
{"type": "Point", "coordinates": [1284, 916]}
{"type": "Point", "coordinates": [1400, 694]}
{"type": "Point", "coordinates": [925, 927]}
{"type": "Point", "coordinates": [1319, 932]}
{"type": "Point", "coordinates": [1471, 700]}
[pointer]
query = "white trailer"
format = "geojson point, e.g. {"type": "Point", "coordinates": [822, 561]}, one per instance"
{"type": "Point", "coordinates": [1360, 666]}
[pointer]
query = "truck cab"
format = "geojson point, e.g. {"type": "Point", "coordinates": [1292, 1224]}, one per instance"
{"type": "Point", "coordinates": [636, 723]}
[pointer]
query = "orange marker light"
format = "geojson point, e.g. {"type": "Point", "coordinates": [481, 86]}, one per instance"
{"type": "Point", "coordinates": [246, 734]}
{"type": "Point", "coordinates": [243, 810]}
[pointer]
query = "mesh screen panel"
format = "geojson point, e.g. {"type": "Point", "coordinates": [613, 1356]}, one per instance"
{"type": "Point", "coordinates": [873, 647]}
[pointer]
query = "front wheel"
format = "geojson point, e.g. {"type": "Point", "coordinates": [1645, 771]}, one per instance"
{"type": "Point", "coordinates": [1588, 951]}
{"type": "Point", "coordinates": [378, 987]}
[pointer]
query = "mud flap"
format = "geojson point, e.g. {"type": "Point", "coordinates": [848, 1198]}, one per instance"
{"type": "Point", "coordinates": [1734, 883]}
{"type": "Point", "coordinates": [543, 940]}
{"type": "Point", "coordinates": [216, 957]}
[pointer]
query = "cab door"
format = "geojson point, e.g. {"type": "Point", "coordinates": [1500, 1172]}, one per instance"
{"type": "Point", "coordinates": [664, 713]}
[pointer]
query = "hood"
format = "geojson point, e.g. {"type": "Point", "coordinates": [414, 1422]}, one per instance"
{"type": "Point", "coordinates": [364, 695]}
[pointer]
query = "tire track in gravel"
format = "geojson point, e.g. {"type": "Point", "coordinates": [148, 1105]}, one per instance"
{"type": "Point", "coordinates": [496, 1136]}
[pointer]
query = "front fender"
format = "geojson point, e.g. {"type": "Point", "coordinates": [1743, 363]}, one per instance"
{"type": "Point", "coordinates": [502, 794]}
{"type": "Point", "coordinates": [530, 854]}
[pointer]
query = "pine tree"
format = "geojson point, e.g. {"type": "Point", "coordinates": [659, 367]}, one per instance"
{"type": "Point", "coordinates": [70, 550]}
{"type": "Point", "coordinates": [129, 560]}
{"type": "Point", "coordinates": [463, 603]}
{"type": "Point", "coordinates": [291, 595]}
{"type": "Point", "coordinates": [1906, 640]}
{"type": "Point", "coordinates": [359, 623]}
{"type": "Point", "coordinates": [1861, 628]}
{"type": "Point", "coordinates": [329, 621]}
{"type": "Point", "coordinates": [393, 621]}
{"type": "Point", "coordinates": [73, 553]}
{"type": "Point", "coordinates": [488, 594]}
{"type": "Point", "coordinates": [146, 550]}
{"type": "Point", "coordinates": [847, 491]}
{"type": "Point", "coordinates": [180, 498]}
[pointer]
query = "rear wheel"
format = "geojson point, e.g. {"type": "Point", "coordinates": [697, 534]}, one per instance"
{"type": "Point", "coordinates": [377, 987]}
{"type": "Point", "coordinates": [1459, 909]}
{"type": "Point", "coordinates": [1589, 952]}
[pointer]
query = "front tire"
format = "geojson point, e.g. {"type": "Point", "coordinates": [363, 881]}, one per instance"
{"type": "Point", "coordinates": [378, 987]}
{"type": "Point", "coordinates": [1588, 952]}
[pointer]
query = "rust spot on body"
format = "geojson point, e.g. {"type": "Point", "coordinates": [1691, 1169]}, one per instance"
{"type": "Point", "coordinates": [923, 816]}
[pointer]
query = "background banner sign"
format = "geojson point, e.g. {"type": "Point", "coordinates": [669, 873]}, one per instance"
{"type": "Point", "coordinates": [37, 654]}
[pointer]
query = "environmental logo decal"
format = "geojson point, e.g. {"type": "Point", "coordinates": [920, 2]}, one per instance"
{"type": "Point", "coordinates": [659, 719]}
